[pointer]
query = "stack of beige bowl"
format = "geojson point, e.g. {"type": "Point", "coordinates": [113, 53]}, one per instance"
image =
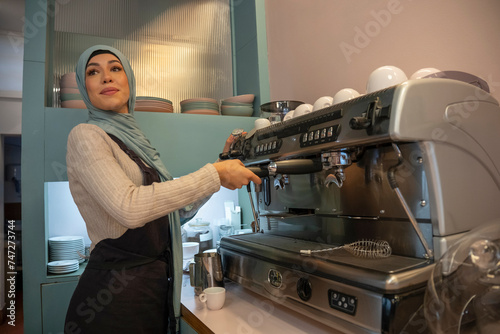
{"type": "Point", "coordinates": [70, 95]}
{"type": "Point", "coordinates": [150, 103]}
{"type": "Point", "coordinates": [241, 105]}
{"type": "Point", "coordinates": [200, 106]}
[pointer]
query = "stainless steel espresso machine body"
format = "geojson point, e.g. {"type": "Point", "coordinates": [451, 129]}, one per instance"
{"type": "Point", "coordinates": [416, 165]}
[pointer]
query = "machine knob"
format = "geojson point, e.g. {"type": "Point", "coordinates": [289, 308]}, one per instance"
{"type": "Point", "coordinates": [360, 123]}
{"type": "Point", "coordinates": [304, 289]}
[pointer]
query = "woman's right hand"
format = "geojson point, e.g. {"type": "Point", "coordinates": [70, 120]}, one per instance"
{"type": "Point", "coordinates": [233, 174]}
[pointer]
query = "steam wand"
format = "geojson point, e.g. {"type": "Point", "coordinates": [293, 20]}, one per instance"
{"type": "Point", "coordinates": [256, 223]}
{"type": "Point", "coordinates": [391, 176]}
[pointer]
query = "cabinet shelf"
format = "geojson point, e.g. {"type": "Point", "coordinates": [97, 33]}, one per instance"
{"type": "Point", "coordinates": [54, 278]}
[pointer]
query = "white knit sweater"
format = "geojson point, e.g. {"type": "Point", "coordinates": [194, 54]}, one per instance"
{"type": "Point", "coordinates": [107, 186]}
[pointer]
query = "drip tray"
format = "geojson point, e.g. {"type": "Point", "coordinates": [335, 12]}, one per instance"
{"type": "Point", "coordinates": [386, 274]}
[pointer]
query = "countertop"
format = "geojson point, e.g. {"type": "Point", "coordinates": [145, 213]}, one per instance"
{"type": "Point", "coordinates": [244, 312]}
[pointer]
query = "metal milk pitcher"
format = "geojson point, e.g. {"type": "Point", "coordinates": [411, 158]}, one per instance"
{"type": "Point", "coordinates": [206, 271]}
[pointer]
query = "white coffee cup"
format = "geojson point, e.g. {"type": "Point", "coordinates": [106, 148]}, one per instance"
{"type": "Point", "coordinates": [261, 123]}
{"type": "Point", "coordinates": [322, 102]}
{"type": "Point", "coordinates": [289, 115]}
{"type": "Point", "coordinates": [384, 77]}
{"type": "Point", "coordinates": [345, 94]}
{"type": "Point", "coordinates": [302, 110]}
{"type": "Point", "coordinates": [214, 297]}
{"type": "Point", "coordinates": [189, 249]}
{"type": "Point", "coordinates": [423, 72]}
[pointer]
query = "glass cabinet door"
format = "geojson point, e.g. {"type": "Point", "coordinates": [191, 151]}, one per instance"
{"type": "Point", "coordinates": [178, 49]}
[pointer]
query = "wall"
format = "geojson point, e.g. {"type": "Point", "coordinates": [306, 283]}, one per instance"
{"type": "Point", "coordinates": [11, 70]}
{"type": "Point", "coordinates": [318, 47]}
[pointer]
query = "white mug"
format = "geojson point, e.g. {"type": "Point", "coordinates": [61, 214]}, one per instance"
{"type": "Point", "coordinates": [214, 297]}
{"type": "Point", "coordinates": [384, 77]}
{"type": "Point", "coordinates": [289, 115]}
{"type": "Point", "coordinates": [261, 123]}
{"type": "Point", "coordinates": [345, 94]}
{"type": "Point", "coordinates": [302, 110]}
{"type": "Point", "coordinates": [322, 102]}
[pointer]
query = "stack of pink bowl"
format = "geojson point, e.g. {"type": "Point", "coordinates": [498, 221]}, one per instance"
{"type": "Point", "coordinates": [150, 103]}
{"type": "Point", "coordinates": [241, 105]}
{"type": "Point", "coordinates": [70, 95]}
{"type": "Point", "coordinates": [200, 106]}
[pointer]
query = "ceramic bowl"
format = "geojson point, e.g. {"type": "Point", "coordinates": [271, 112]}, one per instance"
{"type": "Point", "coordinates": [345, 94]}
{"type": "Point", "coordinates": [69, 97]}
{"type": "Point", "coordinates": [190, 249]}
{"type": "Point", "coordinates": [423, 72]}
{"type": "Point", "coordinates": [77, 104]}
{"type": "Point", "coordinates": [236, 104]}
{"type": "Point", "coordinates": [70, 91]}
{"type": "Point", "coordinates": [261, 123]}
{"type": "Point", "coordinates": [68, 80]}
{"type": "Point", "coordinates": [302, 110]}
{"type": "Point", "coordinates": [199, 99]}
{"type": "Point", "coordinates": [322, 102]}
{"type": "Point", "coordinates": [289, 115]}
{"type": "Point", "coordinates": [383, 77]}
{"type": "Point", "coordinates": [199, 105]}
{"type": "Point", "coordinates": [236, 111]}
{"type": "Point", "coordinates": [246, 98]}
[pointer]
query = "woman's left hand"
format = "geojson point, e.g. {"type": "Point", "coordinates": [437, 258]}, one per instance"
{"type": "Point", "coordinates": [230, 140]}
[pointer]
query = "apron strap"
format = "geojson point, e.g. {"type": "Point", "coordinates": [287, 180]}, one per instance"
{"type": "Point", "coordinates": [150, 175]}
{"type": "Point", "coordinates": [170, 292]}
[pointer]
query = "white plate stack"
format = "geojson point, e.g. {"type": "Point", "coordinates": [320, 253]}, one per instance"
{"type": "Point", "coordinates": [66, 248]}
{"type": "Point", "coordinates": [62, 267]}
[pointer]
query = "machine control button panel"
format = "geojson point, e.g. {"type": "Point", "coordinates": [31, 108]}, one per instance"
{"type": "Point", "coordinates": [268, 147]}
{"type": "Point", "coordinates": [342, 302]}
{"type": "Point", "coordinates": [286, 130]}
{"type": "Point", "coordinates": [320, 136]}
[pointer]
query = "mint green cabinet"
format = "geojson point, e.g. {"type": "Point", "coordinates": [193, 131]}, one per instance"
{"type": "Point", "coordinates": [185, 328]}
{"type": "Point", "coordinates": [55, 301]}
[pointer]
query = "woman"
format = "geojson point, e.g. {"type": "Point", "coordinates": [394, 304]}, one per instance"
{"type": "Point", "coordinates": [131, 206]}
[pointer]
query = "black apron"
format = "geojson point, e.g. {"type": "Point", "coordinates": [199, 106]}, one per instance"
{"type": "Point", "coordinates": [127, 286]}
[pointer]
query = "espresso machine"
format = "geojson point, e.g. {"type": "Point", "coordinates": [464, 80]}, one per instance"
{"type": "Point", "coordinates": [410, 168]}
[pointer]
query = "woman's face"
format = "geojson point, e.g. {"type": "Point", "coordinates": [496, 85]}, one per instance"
{"type": "Point", "coordinates": [107, 83]}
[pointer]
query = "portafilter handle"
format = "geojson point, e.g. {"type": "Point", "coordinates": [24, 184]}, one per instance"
{"type": "Point", "coordinates": [294, 166]}
{"type": "Point", "coordinates": [260, 171]}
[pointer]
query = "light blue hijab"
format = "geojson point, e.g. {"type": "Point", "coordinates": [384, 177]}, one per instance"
{"type": "Point", "coordinates": [125, 127]}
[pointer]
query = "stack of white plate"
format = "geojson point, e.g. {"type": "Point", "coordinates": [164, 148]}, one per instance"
{"type": "Point", "coordinates": [150, 103]}
{"type": "Point", "coordinates": [200, 106]}
{"type": "Point", "coordinates": [62, 267]}
{"type": "Point", "coordinates": [66, 248]}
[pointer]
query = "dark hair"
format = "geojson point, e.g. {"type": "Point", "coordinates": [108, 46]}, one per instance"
{"type": "Point", "coordinates": [99, 52]}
